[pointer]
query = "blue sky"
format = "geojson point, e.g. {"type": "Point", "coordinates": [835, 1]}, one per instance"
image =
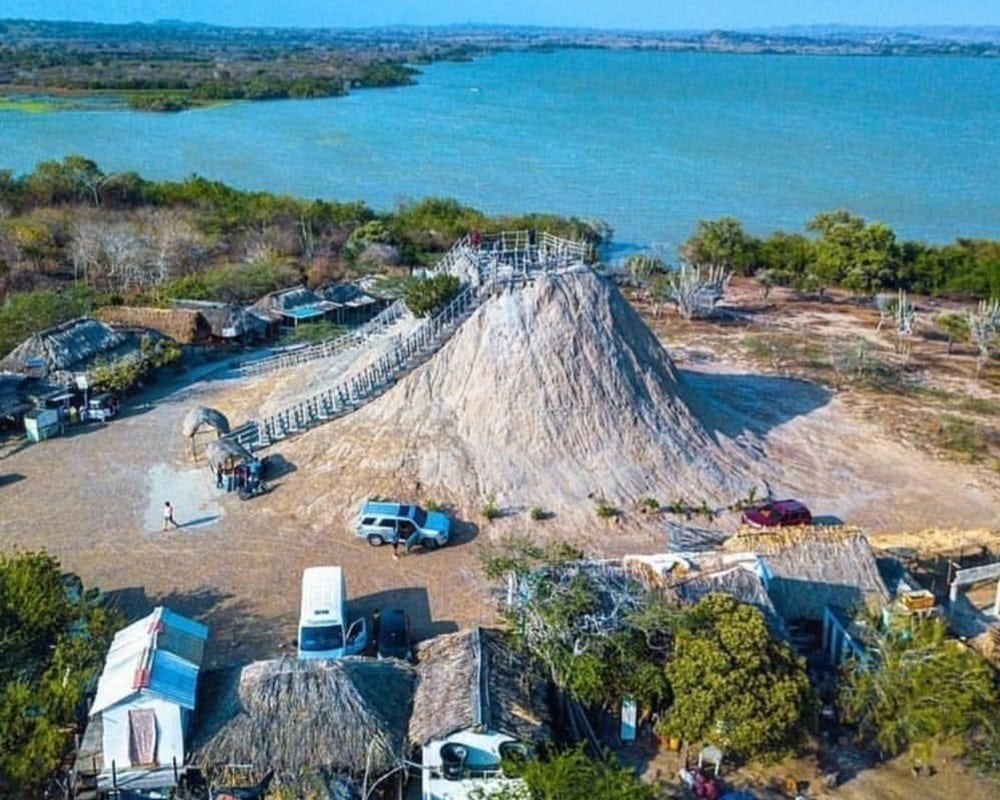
{"type": "Point", "coordinates": [636, 14]}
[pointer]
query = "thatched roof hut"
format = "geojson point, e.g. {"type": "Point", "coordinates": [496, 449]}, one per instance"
{"type": "Point", "coordinates": [225, 320]}
{"type": "Point", "coordinates": [352, 302]}
{"type": "Point", "coordinates": [201, 416]}
{"type": "Point", "coordinates": [225, 454]}
{"type": "Point", "coordinates": [57, 353]}
{"type": "Point", "coordinates": [183, 325]}
{"type": "Point", "coordinates": [299, 716]}
{"type": "Point", "coordinates": [472, 679]}
{"type": "Point", "coordinates": [815, 567]}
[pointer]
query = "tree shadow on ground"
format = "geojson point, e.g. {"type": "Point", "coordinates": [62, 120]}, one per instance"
{"type": "Point", "coordinates": [733, 405]}
{"type": "Point", "coordinates": [235, 635]}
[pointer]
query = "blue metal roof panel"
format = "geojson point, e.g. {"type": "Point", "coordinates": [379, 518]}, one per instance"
{"type": "Point", "coordinates": [160, 653]}
{"type": "Point", "coordinates": [172, 678]}
{"type": "Point", "coordinates": [306, 312]}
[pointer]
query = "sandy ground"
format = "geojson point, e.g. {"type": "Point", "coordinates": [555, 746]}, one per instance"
{"type": "Point", "coordinates": [94, 498]}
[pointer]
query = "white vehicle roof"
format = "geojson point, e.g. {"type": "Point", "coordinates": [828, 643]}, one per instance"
{"type": "Point", "coordinates": [322, 596]}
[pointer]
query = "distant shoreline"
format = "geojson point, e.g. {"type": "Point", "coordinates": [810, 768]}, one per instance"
{"type": "Point", "coordinates": [174, 66]}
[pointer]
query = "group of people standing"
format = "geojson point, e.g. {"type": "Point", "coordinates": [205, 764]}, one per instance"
{"type": "Point", "coordinates": [245, 475]}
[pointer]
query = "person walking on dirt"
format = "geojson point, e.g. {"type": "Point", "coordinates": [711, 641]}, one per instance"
{"type": "Point", "coordinates": [168, 516]}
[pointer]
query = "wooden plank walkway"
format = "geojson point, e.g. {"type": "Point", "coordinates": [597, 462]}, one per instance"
{"type": "Point", "coordinates": [505, 261]}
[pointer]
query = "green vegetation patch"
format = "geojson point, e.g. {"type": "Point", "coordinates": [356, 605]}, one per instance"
{"type": "Point", "coordinates": [967, 439]}
{"type": "Point", "coordinates": [310, 332]}
{"type": "Point", "coordinates": [55, 635]}
{"type": "Point", "coordinates": [28, 105]}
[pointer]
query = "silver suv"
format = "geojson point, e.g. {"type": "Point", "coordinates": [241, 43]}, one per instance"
{"type": "Point", "coordinates": [387, 522]}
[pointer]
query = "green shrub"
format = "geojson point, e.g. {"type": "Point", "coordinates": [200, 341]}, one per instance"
{"type": "Point", "coordinates": [313, 332]}
{"type": "Point", "coordinates": [489, 509]}
{"type": "Point", "coordinates": [536, 513]}
{"type": "Point", "coordinates": [605, 510]}
{"type": "Point", "coordinates": [650, 504]}
{"type": "Point", "coordinates": [424, 296]}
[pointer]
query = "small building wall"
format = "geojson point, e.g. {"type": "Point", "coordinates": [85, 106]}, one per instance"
{"type": "Point", "coordinates": [169, 732]}
{"type": "Point", "coordinates": [481, 774]}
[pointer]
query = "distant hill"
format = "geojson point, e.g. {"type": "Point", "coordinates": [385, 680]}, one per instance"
{"type": "Point", "coordinates": [953, 33]}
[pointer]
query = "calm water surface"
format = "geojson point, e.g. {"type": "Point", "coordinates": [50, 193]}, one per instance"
{"type": "Point", "coordinates": [649, 142]}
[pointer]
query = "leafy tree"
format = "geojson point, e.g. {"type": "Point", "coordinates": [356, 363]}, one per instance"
{"type": "Point", "coordinates": [917, 686]}
{"type": "Point", "coordinates": [977, 272]}
{"type": "Point", "coordinates": [72, 180]}
{"type": "Point", "coordinates": [53, 637]}
{"type": "Point", "coordinates": [24, 313]}
{"type": "Point", "coordinates": [244, 283]}
{"type": "Point", "coordinates": [862, 257]}
{"type": "Point", "coordinates": [734, 683]}
{"type": "Point", "coordinates": [424, 296]}
{"type": "Point", "coordinates": [434, 223]}
{"type": "Point", "coordinates": [572, 775]}
{"type": "Point", "coordinates": [117, 375]}
{"type": "Point", "coordinates": [11, 193]}
{"type": "Point", "coordinates": [723, 243]}
{"type": "Point", "coordinates": [370, 233]}
{"type": "Point", "coordinates": [787, 256]}
{"type": "Point", "coordinates": [600, 636]}
{"type": "Point", "coordinates": [197, 286]}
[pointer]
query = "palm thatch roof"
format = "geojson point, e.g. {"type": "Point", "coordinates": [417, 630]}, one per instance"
{"type": "Point", "coordinates": [300, 716]}
{"type": "Point", "coordinates": [685, 578]}
{"type": "Point", "coordinates": [817, 566]}
{"type": "Point", "coordinates": [225, 320]}
{"type": "Point", "coordinates": [200, 416]}
{"type": "Point", "coordinates": [473, 679]}
{"type": "Point", "coordinates": [58, 352]}
{"type": "Point", "coordinates": [183, 325]}
{"type": "Point", "coordinates": [225, 454]}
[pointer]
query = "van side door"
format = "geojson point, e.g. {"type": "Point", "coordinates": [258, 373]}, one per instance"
{"type": "Point", "coordinates": [357, 637]}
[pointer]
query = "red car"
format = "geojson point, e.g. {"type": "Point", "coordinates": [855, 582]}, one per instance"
{"type": "Point", "coordinates": [777, 512]}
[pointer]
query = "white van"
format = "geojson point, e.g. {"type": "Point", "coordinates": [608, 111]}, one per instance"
{"type": "Point", "coordinates": [323, 628]}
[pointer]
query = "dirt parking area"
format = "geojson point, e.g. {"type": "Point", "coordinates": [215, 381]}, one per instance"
{"type": "Point", "coordinates": [94, 499]}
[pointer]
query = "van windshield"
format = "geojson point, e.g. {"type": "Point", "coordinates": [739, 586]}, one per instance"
{"type": "Point", "coordinates": [419, 516]}
{"type": "Point", "coordinates": [317, 638]}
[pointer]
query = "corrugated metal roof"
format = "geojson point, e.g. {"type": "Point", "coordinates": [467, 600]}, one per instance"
{"type": "Point", "coordinates": [159, 654]}
{"type": "Point", "coordinates": [172, 678]}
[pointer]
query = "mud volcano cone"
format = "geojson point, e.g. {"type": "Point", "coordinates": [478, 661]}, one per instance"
{"type": "Point", "coordinates": [550, 394]}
